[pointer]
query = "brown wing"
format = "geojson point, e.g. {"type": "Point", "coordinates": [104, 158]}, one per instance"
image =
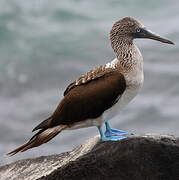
{"type": "Point", "coordinates": [89, 76]}
{"type": "Point", "coordinates": [89, 100]}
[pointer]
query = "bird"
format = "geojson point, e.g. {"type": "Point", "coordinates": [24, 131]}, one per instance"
{"type": "Point", "coordinates": [100, 94]}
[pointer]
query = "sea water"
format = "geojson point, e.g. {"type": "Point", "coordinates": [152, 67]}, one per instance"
{"type": "Point", "coordinates": [45, 45]}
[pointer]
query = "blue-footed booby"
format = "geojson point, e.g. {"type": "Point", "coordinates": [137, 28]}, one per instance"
{"type": "Point", "coordinates": [101, 93]}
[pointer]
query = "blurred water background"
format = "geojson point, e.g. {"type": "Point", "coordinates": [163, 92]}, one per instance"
{"type": "Point", "coordinates": [45, 44]}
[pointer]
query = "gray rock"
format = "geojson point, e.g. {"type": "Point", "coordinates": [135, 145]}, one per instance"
{"type": "Point", "coordinates": [144, 157]}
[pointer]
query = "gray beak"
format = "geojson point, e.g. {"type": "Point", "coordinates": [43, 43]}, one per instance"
{"type": "Point", "coordinates": [144, 33]}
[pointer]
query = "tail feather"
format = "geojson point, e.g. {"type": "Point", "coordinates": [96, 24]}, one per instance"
{"type": "Point", "coordinates": [39, 138]}
{"type": "Point", "coordinates": [43, 125]}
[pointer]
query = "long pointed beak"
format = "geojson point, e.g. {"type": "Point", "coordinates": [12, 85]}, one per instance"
{"type": "Point", "coordinates": [144, 33]}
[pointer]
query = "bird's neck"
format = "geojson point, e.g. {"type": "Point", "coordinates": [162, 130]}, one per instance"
{"type": "Point", "coordinates": [126, 52]}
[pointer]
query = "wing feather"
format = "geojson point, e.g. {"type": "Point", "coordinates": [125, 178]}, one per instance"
{"type": "Point", "coordinates": [89, 98]}
{"type": "Point", "coordinates": [89, 76]}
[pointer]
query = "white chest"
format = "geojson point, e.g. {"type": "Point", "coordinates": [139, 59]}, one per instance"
{"type": "Point", "coordinates": [134, 82]}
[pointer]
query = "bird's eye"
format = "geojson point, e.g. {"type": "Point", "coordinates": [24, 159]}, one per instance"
{"type": "Point", "coordinates": [138, 30]}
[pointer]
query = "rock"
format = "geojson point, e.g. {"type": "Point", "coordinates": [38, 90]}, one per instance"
{"type": "Point", "coordinates": [145, 157]}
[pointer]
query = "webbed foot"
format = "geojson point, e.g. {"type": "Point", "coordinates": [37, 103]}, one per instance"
{"type": "Point", "coordinates": [115, 132]}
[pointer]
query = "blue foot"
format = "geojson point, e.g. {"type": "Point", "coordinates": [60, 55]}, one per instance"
{"type": "Point", "coordinates": [113, 138]}
{"type": "Point", "coordinates": [115, 132]}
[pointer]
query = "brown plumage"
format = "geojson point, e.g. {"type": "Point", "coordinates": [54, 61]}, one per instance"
{"type": "Point", "coordinates": [89, 76]}
{"type": "Point", "coordinates": [39, 138]}
{"type": "Point", "coordinates": [105, 90]}
{"type": "Point", "coordinates": [90, 96]}
{"type": "Point", "coordinates": [79, 96]}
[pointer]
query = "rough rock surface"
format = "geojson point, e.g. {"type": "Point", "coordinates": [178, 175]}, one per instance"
{"type": "Point", "coordinates": [144, 157]}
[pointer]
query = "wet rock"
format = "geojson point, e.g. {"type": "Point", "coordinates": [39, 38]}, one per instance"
{"type": "Point", "coordinates": [144, 157]}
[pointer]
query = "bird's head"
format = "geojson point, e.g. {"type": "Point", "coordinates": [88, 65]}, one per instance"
{"type": "Point", "coordinates": [129, 29]}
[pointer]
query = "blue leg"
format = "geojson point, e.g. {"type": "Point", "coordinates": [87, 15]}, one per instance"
{"type": "Point", "coordinates": [113, 132]}
{"type": "Point", "coordinates": [111, 138]}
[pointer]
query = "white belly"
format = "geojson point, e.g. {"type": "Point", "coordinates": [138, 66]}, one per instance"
{"type": "Point", "coordinates": [127, 96]}
{"type": "Point", "coordinates": [134, 81]}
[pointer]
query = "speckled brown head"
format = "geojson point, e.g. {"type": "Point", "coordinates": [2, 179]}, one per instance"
{"type": "Point", "coordinates": [127, 29]}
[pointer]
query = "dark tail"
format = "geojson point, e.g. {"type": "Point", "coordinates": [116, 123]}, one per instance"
{"type": "Point", "coordinates": [39, 138]}
{"type": "Point", "coordinates": [43, 125]}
